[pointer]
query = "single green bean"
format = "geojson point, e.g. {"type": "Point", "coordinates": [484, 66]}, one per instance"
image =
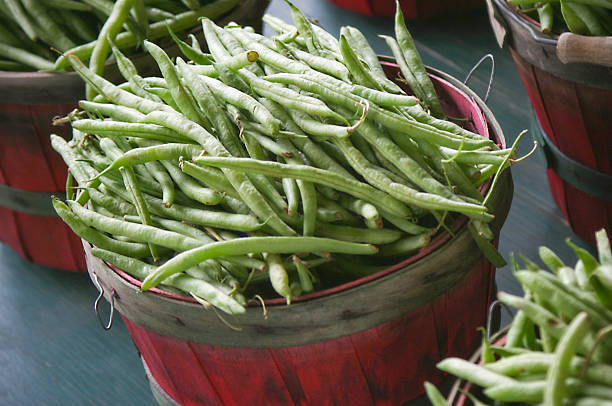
{"type": "Point", "coordinates": [271, 245]}
{"type": "Point", "coordinates": [554, 391]}
{"type": "Point", "coordinates": [95, 237]}
{"type": "Point", "coordinates": [413, 59]}
{"type": "Point", "coordinates": [108, 32]}
{"type": "Point", "coordinates": [406, 245]}
{"type": "Point", "coordinates": [199, 287]}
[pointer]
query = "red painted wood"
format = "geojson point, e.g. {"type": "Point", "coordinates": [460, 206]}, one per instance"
{"type": "Point", "coordinates": [412, 9]}
{"type": "Point", "coordinates": [384, 365]}
{"type": "Point", "coordinates": [28, 162]}
{"type": "Point", "coordinates": [577, 120]}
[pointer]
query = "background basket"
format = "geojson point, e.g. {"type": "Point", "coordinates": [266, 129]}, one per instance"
{"type": "Point", "coordinates": [573, 109]}
{"type": "Point", "coordinates": [371, 341]}
{"type": "Point", "coordinates": [31, 172]}
{"type": "Point", "coordinates": [412, 9]}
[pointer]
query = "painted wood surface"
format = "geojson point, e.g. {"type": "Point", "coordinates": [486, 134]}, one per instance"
{"type": "Point", "coordinates": [412, 9]}
{"type": "Point", "coordinates": [576, 118]}
{"type": "Point", "coordinates": [54, 352]}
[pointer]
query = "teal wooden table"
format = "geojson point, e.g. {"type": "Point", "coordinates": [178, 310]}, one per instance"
{"type": "Point", "coordinates": [52, 350]}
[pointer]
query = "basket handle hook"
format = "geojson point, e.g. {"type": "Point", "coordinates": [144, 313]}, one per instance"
{"type": "Point", "coordinates": [108, 325]}
{"type": "Point", "coordinates": [491, 76]}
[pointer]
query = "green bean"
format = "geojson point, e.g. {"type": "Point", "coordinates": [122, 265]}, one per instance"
{"type": "Point", "coordinates": [404, 224]}
{"type": "Point", "coordinates": [304, 274]}
{"type": "Point", "coordinates": [139, 130]}
{"type": "Point", "coordinates": [293, 195]}
{"type": "Point", "coordinates": [278, 276]}
{"type": "Point", "coordinates": [68, 5]}
{"type": "Point", "coordinates": [181, 96]}
{"type": "Point", "coordinates": [400, 191]}
{"type": "Point", "coordinates": [239, 99]}
{"type": "Point", "coordinates": [153, 153]}
{"type": "Point", "coordinates": [305, 28]}
{"type": "Point", "coordinates": [315, 175]}
{"type": "Point", "coordinates": [356, 68]}
{"type": "Point", "coordinates": [434, 395]}
{"type": "Point", "coordinates": [313, 152]}
{"type": "Point", "coordinates": [566, 304]}
{"type": "Point", "coordinates": [130, 249]}
{"type": "Point", "coordinates": [413, 59]}
{"type": "Point", "coordinates": [603, 247]}
{"type": "Point", "coordinates": [382, 98]}
{"type": "Point", "coordinates": [129, 179]}
{"type": "Point", "coordinates": [194, 54]}
{"type": "Point", "coordinates": [271, 245]}
{"type": "Point", "coordinates": [528, 392]}
{"type": "Point", "coordinates": [477, 374]}
{"type": "Point", "coordinates": [419, 131]}
{"type": "Point", "coordinates": [232, 263]}
{"type": "Point", "coordinates": [360, 207]}
{"type": "Point", "coordinates": [241, 60]}
{"type": "Point", "coordinates": [157, 30]}
{"type": "Point", "coordinates": [546, 15]}
{"type": "Point", "coordinates": [360, 44]}
{"type": "Point", "coordinates": [353, 234]}
{"type": "Point", "coordinates": [206, 70]}
{"type": "Point", "coordinates": [25, 57]}
{"type": "Point", "coordinates": [292, 99]}
{"type": "Point", "coordinates": [282, 27]}
{"type": "Point", "coordinates": [203, 95]}
{"type": "Point", "coordinates": [554, 390]}
{"type": "Point", "coordinates": [190, 187]}
{"type": "Point", "coordinates": [321, 130]}
{"type": "Point", "coordinates": [108, 32]}
{"type": "Point", "coordinates": [136, 232]}
{"type": "Point", "coordinates": [46, 27]}
{"type": "Point", "coordinates": [129, 72]}
{"type": "Point", "coordinates": [240, 181]}
{"type": "Point", "coordinates": [199, 287]}
{"type": "Point", "coordinates": [405, 245]}
{"type": "Point", "coordinates": [210, 177]}
{"type": "Point", "coordinates": [114, 93]}
{"type": "Point", "coordinates": [18, 13]}
{"type": "Point", "coordinates": [408, 74]}
{"type": "Point", "coordinates": [316, 62]}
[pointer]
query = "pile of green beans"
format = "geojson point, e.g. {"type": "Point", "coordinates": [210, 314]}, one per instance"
{"type": "Point", "coordinates": [33, 32]}
{"type": "Point", "coordinates": [268, 159]}
{"type": "Point", "coordinates": [583, 17]}
{"type": "Point", "coordinates": [558, 350]}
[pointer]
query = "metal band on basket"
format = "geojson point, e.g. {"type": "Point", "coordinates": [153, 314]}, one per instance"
{"type": "Point", "coordinates": [26, 201]}
{"type": "Point", "coordinates": [578, 175]}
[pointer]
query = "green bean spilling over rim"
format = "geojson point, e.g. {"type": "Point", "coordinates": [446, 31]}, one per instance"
{"type": "Point", "coordinates": [558, 349]}
{"type": "Point", "coordinates": [263, 167]}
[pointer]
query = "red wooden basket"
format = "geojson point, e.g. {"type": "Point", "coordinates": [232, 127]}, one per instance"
{"type": "Point", "coordinates": [31, 172]}
{"type": "Point", "coordinates": [412, 9]}
{"type": "Point", "coordinates": [572, 103]}
{"type": "Point", "coordinates": [373, 341]}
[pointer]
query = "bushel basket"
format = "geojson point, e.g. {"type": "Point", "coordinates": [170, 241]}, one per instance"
{"type": "Point", "coordinates": [572, 109]}
{"type": "Point", "coordinates": [371, 341]}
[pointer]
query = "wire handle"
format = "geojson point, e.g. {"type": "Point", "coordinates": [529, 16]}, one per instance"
{"type": "Point", "coordinates": [108, 325]}
{"type": "Point", "coordinates": [469, 75]}
{"type": "Point", "coordinates": [494, 305]}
